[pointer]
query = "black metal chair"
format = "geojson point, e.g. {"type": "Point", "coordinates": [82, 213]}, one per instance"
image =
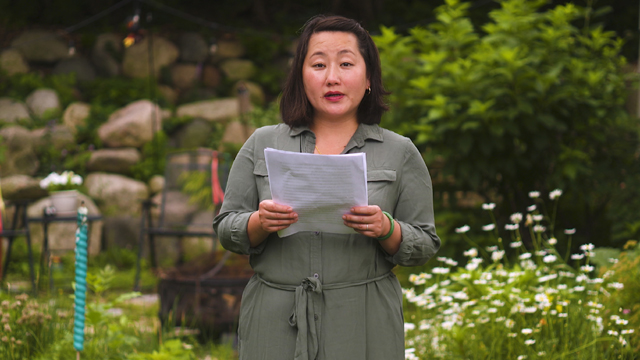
{"type": "Point", "coordinates": [195, 178]}
{"type": "Point", "coordinates": [19, 227]}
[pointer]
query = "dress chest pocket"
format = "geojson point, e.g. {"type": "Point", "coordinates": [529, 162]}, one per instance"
{"type": "Point", "coordinates": [381, 185]}
{"type": "Point", "coordinates": [262, 179]}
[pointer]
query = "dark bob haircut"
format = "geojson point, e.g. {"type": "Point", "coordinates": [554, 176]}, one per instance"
{"type": "Point", "coordinates": [295, 107]}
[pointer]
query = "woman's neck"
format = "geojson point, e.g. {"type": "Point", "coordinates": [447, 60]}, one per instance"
{"type": "Point", "coordinates": [332, 137]}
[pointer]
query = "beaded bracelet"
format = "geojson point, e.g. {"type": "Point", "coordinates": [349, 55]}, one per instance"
{"type": "Point", "coordinates": [390, 230]}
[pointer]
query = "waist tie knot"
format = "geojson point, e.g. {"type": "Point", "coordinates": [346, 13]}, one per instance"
{"type": "Point", "coordinates": [303, 317]}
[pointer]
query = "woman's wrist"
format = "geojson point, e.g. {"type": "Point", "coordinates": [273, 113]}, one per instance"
{"type": "Point", "coordinates": [391, 227]}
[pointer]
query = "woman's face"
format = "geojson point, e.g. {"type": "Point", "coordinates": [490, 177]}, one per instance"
{"type": "Point", "coordinates": [334, 75]}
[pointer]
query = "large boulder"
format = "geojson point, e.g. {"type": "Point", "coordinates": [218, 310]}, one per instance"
{"type": "Point", "coordinates": [226, 49]}
{"type": "Point", "coordinates": [213, 110]}
{"type": "Point", "coordinates": [184, 76]}
{"type": "Point", "coordinates": [178, 210]}
{"type": "Point", "coordinates": [136, 57]}
{"type": "Point", "coordinates": [211, 76]}
{"type": "Point", "coordinates": [193, 135]}
{"type": "Point", "coordinates": [21, 187]}
{"type": "Point", "coordinates": [12, 62]}
{"type": "Point", "coordinates": [80, 66]}
{"type": "Point", "coordinates": [238, 69]}
{"type": "Point", "coordinates": [12, 110]}
{"type": "Point", "coordinates": [105, 51]}
{"type": "Point", "coordinates": [41, 46]}
{"type": "Point", "coordinates": [122, 231]}
{"type": "Point", "coordinates": [20, 157]}
{"type": "Point", "coordinates": [75, 115]}
{"type": "Point", "coordinates": [193, 48]}
{"type": "Point", "coordinates": [132, 126]}
{"type": "Point", "coordinates": [116, 194]}
{"type": "Point", "coordinates": [195, 246]}
{"type": "Point", "coordinates": [117, 161]}
{"type": "Point", "coordinates": [237, 133]}
{"type": "Point", "coordinates": [62, 235]}
{"type": "Point", "coordinates": [43, 102]}
{"type": "Point", "coordinates": [255, 91]}
{"type": "Point", "coordinates": [58, 136]}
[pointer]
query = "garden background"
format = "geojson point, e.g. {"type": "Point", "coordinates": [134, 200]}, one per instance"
{"type": "Point", "coordinates": [507, 100]}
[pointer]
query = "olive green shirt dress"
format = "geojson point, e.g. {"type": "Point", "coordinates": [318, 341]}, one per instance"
{"type": "Point", "coordinates": [319, 295]}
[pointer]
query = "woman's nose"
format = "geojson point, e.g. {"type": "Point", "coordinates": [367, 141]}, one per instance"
{"type": "Point", "coordinates": [333, 75]}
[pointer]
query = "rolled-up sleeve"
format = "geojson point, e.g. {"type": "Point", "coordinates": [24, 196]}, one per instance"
{"type": "Point", "coordinates": [414, 212]}
{"type": "Point", "coordinates": [240, 201]}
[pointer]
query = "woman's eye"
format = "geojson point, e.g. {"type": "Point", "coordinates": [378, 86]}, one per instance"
{"type": "Point", "coordinates": [317, 65]}
{"type": "Point", "coordinates": [347, 64]}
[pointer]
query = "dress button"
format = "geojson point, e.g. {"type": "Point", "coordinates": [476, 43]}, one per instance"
{"type": "Point", "coordinates": [316, 275]}
{"type": "Point", "coordinates": [315, 317]}
{"type": "Point", "coordinates": [317, 233]}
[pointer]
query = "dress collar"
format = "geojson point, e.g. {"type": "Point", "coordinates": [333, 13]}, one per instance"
{"type": "Point", "coordinates": [363, 132]}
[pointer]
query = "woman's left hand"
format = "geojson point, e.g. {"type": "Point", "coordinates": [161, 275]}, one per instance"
{"type": "Point", "coordinates": [368, 220]}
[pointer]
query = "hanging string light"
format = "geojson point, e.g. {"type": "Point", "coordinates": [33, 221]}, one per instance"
{"type": "Point", "coordinates": [133, 27]}
{"type": "Point", "coordinates": [72, 48]}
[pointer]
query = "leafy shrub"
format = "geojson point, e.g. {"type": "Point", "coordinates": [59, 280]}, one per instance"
{"type": "Point", "coordinates": [527, 101]}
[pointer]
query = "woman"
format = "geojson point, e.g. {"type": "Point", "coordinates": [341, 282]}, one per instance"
{"type": "Point", "coordinates": [320, 295]}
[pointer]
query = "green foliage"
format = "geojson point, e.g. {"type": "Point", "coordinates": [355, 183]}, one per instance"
{"type": "Point", "coordinates": [19, 86]}
{"type": "Point", "coordinates": [170, 350]}
{"type": "Point", "coordinates": [269, 115]}
{"type": "Point", "coordinates": [120, 91]}
{"type": "Point", "coordinates": [529, 102]}
{"type": "Point", "coordinates": [153, 158]}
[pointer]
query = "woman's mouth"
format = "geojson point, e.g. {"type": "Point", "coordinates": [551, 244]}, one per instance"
{"type": "Point", "coordinates": [333, 96]}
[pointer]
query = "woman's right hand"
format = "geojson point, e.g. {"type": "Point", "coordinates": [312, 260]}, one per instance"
{"type": "Point", "coordinates": [275, 217]}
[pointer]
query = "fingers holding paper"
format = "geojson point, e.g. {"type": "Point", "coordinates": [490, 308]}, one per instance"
{"type": "Point", "coordinates": [367, 220]}
{"type": "Point", "coordinates": [275, 217]}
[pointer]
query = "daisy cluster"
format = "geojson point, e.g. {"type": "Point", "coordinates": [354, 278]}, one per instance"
{"type": "Point", "coordinates": [536, 307]}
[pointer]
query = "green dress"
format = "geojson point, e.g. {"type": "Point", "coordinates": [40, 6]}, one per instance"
{"type": "Point", "coordinates": [318, 295]}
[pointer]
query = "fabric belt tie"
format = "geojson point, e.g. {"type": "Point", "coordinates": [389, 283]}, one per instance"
{"type": "Point", "coordinates": [303, 317]}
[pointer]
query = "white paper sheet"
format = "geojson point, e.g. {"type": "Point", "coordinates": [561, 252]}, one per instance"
{"type": "Point", "coordinates": [320, 188]}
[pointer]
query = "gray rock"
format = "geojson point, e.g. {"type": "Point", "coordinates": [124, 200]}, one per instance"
{"type": "Point", "coordinates": [117, 161]}
{"type": "Point", "coordinates": [122, 231]}
{"type": "Point", "coordinates": [58, 136]}
{"type": "Point", "coordinates": [21, 187]}
{"type": "Point", "coordinates": [156, 184]}
{"type": "Point", "coordinates": [41, 46]}
{"type": "Point", "coordinates": [211, 76]}
{"type": "Point", "coordinates": [62, 235]}
{"type": "Point", "coordinates": [116, 194]}
{"type": "Point", "coordinates": [80, 66]}
{"type": "Point", "coordinates": [213, 110]}
{"type": "Point", "coordinates": [238, 69]}
{"type": "Point", "coordinates": [75, 115]}
{"type": "Point", "coordinates": [131, 126]}
{"type": "Point", "coordinates": [184, 76]}
{"type": "Point", "coordinates": [255, 91]}
{"type": "Point", "coordinates": [196, 246]}
{"type": "Point", "coordinates": [193, 48]}
{"type": "Point", "coordinates": [226, 49]}
{"type": "Point", "coordinates": [11, 111]}
{"type": "Point", "coordinates": [193, 135]}
{"type": "Point", "coordinates": [43, 102]}
{"type": "Point", "coordinates": [136, 57]}
{"type": "Point", "coordinates": [178, 210]}
{"type": "Point", "coordinates": [103, 55]}
{"type": "Point", "coordinates": [20, 157]}
{"type": "Point", "coordinates": [12, 62]}
{"type": "Point", "coordinates": [237, 133]}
